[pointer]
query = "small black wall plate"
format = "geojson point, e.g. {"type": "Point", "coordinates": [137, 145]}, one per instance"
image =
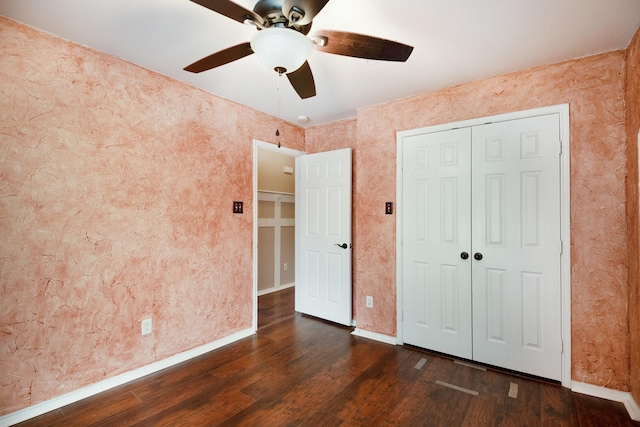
{"type": "Point", "coordinates": [388, 208]}
{"type": "Point", "coordinates": [237, 207]}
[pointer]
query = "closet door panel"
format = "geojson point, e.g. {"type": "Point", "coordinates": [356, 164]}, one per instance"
{"type": "Point", "coordinates": [516, 228]}
{"type": "Point", "coordinates": [436, 230]}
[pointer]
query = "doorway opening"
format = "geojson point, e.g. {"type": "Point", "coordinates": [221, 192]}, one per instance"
{"type": "Point", "coordinates": [273, 221]}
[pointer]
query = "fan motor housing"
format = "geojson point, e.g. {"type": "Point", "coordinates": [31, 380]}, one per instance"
{"type": "Point", "coordinates": [271, 11]}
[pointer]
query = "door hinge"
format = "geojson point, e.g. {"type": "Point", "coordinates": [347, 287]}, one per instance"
{"type": "Point", "coordinates": [560, 151]}
{"type": "Point", "coordinates": [561, 247]}
{"type": "Point", "coordinates": [561, 346]}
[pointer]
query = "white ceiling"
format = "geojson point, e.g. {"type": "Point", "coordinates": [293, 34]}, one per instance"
{"type": "Point", "coordinates": [456, 41]}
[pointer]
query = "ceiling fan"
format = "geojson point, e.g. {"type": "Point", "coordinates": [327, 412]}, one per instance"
{"type": "Point", "coordinates": [281, 42]}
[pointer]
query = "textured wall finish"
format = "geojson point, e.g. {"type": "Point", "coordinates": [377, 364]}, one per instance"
{"type": "Point", "coordinates": [116, 198]}
{"type": "Point", "coordinates": [633, 126]}
{"type": "Point", "coordinates": [595, 88]}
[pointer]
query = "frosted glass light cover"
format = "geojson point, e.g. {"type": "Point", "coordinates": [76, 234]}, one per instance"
{"type": "Point", "coordinates": [281, 47]}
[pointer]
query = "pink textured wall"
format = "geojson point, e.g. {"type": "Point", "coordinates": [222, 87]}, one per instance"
{"type": "Point", "coordinates": [633, 126]}
{"type": "Point", "coordinates": [115, 205]}
{"type": "Point", "coordinates": [595, 89]}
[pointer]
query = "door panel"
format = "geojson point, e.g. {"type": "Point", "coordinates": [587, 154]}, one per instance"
{"type": "Point", "coordinates": [516, 228]}
{"type": "Point", "coordinates": [323, 221]}
{"type": "Point", "coordinates": [436, 218]}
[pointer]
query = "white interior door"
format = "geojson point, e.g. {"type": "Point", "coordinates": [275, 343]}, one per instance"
{"type": "Point", "coordinates": [516, 229]}
{"type": "Point", "coordinates": [323, 235]}
{"type": "Point", "coordinates": [436, 232]}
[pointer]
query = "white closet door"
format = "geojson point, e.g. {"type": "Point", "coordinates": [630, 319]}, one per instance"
{"type": "Point", "coordinates": [516, 229]}
{"type": "Point", "coordinates": [436, 230]}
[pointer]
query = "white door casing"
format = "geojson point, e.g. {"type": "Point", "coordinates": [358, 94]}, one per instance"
{"type": "Point", "coordinates": [528, 300]}
{"type": "Point", "coordinates": [437, 214]}
{"type": "Point", "coordinates": [323, 235]}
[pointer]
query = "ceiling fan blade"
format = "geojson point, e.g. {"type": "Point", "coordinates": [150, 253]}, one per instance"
{"type": "Point", "coordinates": [360, 46]}
{"type": "Point", "coordinates": [309, 8]}
{"type": "Point", "coordinates": [220, 58]}
{"type": "Point", "coordinates": [302, 81]}
{"type": "Point", "coordinates": [231, 10]}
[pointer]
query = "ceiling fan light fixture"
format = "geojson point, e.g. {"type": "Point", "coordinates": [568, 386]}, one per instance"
{"type": "Point", "coordinates": [281, 48]}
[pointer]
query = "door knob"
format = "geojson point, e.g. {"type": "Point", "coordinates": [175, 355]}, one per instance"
{"type": "Point", "coordinates": [464, 255]}
{"type": "Point", "coordinates": [477, 256]}
{"type": "Point", "coordinates": [343, 246]}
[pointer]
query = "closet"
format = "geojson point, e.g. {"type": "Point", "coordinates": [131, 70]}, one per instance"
{"type": "Point", "coordinates": [481, 242]}
{"type": "Point", "coordinates": [275, 234]}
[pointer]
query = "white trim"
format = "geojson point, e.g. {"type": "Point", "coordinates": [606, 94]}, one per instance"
{"type": "Point", "coordinates": [399, 225]}
{"type": "Point", "coordinates": [606, 393]}
{"type": "Point", "coordinates": [387, 339]}
{"type": "Point", "coordinates": [274, 196]}
{"type": "Point", "coordinates": [565, 231]}
{"type": "Point", "coordinates": [565, 177]}
{"type": "Point", "coordinates": [271, 147]}
{"type": "Point", "coordinates": [276, 289]}
{"type": "Point", "coordinates": [101, 386]}
{"type": "Point", "coordinates": [265, 192]}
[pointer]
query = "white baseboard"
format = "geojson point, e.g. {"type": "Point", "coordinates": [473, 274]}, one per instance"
{"type": "Point", "coordinates": [99, 387]}
{"type": "Point", "coordinates": [276, 289]}
{"type": "Point", "coordinates": [387, 339]}
{"type": "Point", "coordinates": [606, 393]}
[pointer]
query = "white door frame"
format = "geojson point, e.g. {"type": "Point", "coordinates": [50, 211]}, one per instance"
{"type": "Point", "coordinates": [565, 263]}
{"type": "Point", "coordinates": [283, 150]}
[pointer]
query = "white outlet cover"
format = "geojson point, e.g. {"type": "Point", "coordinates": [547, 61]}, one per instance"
{"type": "Point", "coordinates": [369, 301]}
{"type": "Point", "coordinates": [147, 326]}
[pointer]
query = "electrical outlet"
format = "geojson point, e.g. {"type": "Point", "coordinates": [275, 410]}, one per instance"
{"type": "Point", "coordinates": [285, 267]}
{"type": "Point", "coordinates": [369, 301]}
{"type": "Point", "coordinates": [147, 326]}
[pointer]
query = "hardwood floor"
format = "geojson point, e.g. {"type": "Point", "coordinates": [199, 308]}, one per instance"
{"type": "Point", "coordinates": [301, 371]}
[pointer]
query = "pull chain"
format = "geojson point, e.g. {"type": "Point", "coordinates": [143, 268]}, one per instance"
{"type": "Point", "coordinates": [279, 108]}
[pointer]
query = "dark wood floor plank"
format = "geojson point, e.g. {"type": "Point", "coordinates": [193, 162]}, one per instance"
{"type": "Point", "coordinates": [205, 409]}
{"type": "Point", "coordinates": [95, 408]}
{"type": "Point", "coordinates": [189, 370]}
{"type": "Point", "coordinates": [425, 402]}
{"type": "Point", "coordinates": [298, 400]}
{"type": "Point", "coordinates": [277, 381]}
{"type": "Point", "coordinates": [526, 409]}
{"type": "Point", "coordinates": [53, 418]}
{"type": "Point", "coordinates": [487, 409]}
{"type": "Point", "coordinates": [557, 406]}
{"type": "Point", "coordinates": [594, 412]}
{"type": "Point", "coordinates": [298, 370]}
{"type": "Point", "coordinates": [375, 394]}
{"type": "Point", "coordinates": [380, 387]}
{"type": "Point", "coordinates": [276, 307]}
{"type": "Point", "coordinates": [159, 403]}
